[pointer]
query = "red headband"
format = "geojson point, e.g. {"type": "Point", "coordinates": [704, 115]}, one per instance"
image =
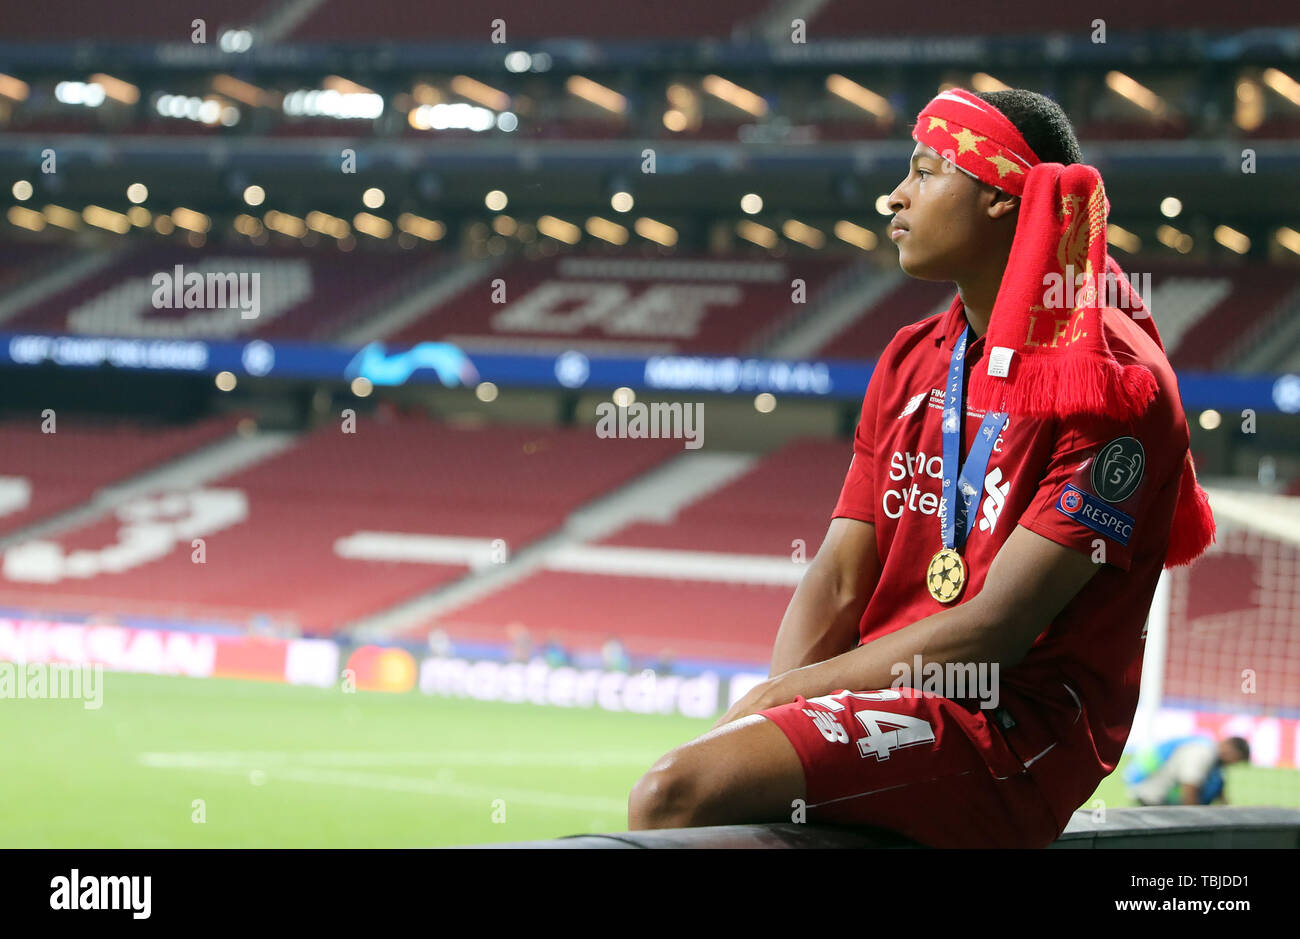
{"type": "Point", "coordinates": [976, 137]}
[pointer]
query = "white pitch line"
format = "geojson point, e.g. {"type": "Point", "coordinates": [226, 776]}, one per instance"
{"type": "Point", "coordinates": [259, 759]}
{"type": "Point", "coordinates": [430, 787]}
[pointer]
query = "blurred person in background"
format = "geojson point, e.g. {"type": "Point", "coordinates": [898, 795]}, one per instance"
{"type": "Point", "coordinates": [1184, 771]}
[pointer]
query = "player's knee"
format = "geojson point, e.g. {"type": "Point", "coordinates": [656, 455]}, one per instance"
{"type": "Point", "coordinates": [665, 797]}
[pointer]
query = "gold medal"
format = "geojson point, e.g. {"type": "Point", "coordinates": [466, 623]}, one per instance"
{"type": "Point", "coordinates": [946, 575]}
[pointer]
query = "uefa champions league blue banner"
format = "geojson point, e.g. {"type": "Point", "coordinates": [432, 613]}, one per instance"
{"type": "Point", "coordinates": [451, 366]}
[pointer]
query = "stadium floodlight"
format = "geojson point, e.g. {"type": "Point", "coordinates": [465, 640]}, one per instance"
{"type": "Point", "coordinates": [1171, 207]}
{"type": "Point", "coordinates": [1132, 90]}
{"type": "Point", "coordinates": [140, 216]}
{"type": "Point", "coordinates": [137, 192]}
{"type": "Point", "coordinates": [1283, 84]}
{"type": "Point", "coordinates": [372, 225]}
{"type": "Point", "coordinates": [882, 204]}
{"type": "Point", "coordinates": [225, 381]}
{"type": "Point", "coordinates": [23, 217]}
{"type": "Point", "coordinates": [327, 224]}
{"type": "Point", "coordinates": [623, 396]}
{"type": "Point", "coordinates": [734, 95]}
{"type": "Point", "coordinates": [483, 94]}
{"type": "Point", "coordinates": [855, 235]}
{"type": "Point", "coordinates": [675, 120]}
{"type": "Point", "coordinates": [420, 227]}
{"type": "Point", "coordinates": [505, 225]}
{"type": "Point", "coordinates": [13, 88]}
{"type": "Point", "coordinates": [241, 91]}
{"type": "Point", "coordinates": [655, 231]}
{"type": "Point", "coordinates": [329, 102]}
{"type": "Point", "coordinates": [1232, 239]}
{"type": "Point", "coordinates": [106, 219]}
{"type": "Point", "coordinates": [486, 392]}
{"type": "Point", "coordinates": [796, 230]}
{"type": "Point", "coordinates": [22, 190]}
{"type": "Point", "coordinates": [116, 88]}
{"type": "Point", "coordinates": [983, 81]}
{"type": "Point", "coordinates": [496, 200]}
{"type": "Point", "coordinates": [518, 61]}
{"type": "Point", "coordinates": [1210, 419]}
{"type": "Point", "coordinates": [751, 203]}
{"type": "Point", "coordinates": [89, 94]}
{"type": "Point", "coordinates": [606, 230]}
{"type": "Point", "coordinates": [254, 195]}
{"type": "Point", "coordinates": [285, 223]}
{"type": "Point", "coordinates": [860, 96]}
{"type": "Point", "coordinates": [1171, 237]}
{"type": "Point", "coordinates": [191, 220]}
{"type": "Point", "coordinates": [1288, 238]}
{"type": "Point", "coordinates": [757, 234]}
{"type": "Point", "coordinates": [373, 197]}
{"type": "Point", "coordinates": [62, 217]}
{"type": "Point", "coordinates": [1123, 239]}
{"type": "Point", "coordinates": [621, 201]}
{"type": "Point", "coordinates": [508, 122]}
{"type": "Point", "coordinates": [559, 229]}
{"type": "Point", "coordinates": [1249, 111]}
{"type": "Point", "coordinates": [235, 41]}
{"type": "Point", "coordinates": [459, 116]}
{"type": "Point", "coordinates": [765, 402]}
{"type": "Point", "coordinates": [601, 96]}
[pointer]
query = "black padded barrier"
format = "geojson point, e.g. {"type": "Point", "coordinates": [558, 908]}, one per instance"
{"type": "Point", "coordinates": [1174, 826]}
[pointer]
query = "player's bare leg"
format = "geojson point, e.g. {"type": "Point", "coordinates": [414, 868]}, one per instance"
{"type": "Point", "coordinates": [743, 772]}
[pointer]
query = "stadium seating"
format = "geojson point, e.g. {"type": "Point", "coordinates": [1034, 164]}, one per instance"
{"type": "Point", "coordinates": [277, 534]}
{"type": "Point", "coordinates": [126, 19]}
{"type": "Point", "coordinates": [303, 294]}
{"type": "Point", "coordinates": [524, 19]}
{"type": "Point", "coordinates": [786, 497]}
{"type": "Point", "coordinates": [853, 18]}
{"type": "Point", "coordinates": [681, 304]}
{"type": "Point", "coordinates": [651, 616]}
{"type": "Point", "coordinates": [42, 474]}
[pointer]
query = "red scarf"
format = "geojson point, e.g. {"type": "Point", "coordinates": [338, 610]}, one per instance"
{"type": "Point", "coordinates": [1047, 351]}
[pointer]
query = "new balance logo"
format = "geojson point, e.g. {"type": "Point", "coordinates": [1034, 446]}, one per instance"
{"type": "Point", "coordinates": [912, 404]}
{"type": "Point", "coordinates": [997, 497]}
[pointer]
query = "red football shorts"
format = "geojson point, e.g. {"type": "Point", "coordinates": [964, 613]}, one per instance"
{"type": "Point", "coordinates": [917, 764]}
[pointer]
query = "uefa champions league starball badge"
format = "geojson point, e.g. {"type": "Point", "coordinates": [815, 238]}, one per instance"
{"type": "Point", "coordinates": [946, 575]}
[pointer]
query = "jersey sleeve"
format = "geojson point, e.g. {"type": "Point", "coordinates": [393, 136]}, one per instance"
{"type": "Point", "coordinates": [1107, 484]}
{"type": "Point", "coordinates": [858, 496]}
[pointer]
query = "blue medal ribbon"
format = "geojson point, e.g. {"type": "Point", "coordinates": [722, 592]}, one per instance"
{"type": "Point", "coordinates": [963, 483]}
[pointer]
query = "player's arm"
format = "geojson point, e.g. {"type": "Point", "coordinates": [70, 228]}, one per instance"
{"type": "Point", "coordinates": [1029, 582]}
{"type": "Point", "coordinates": [1190, 795]}
{"type": "Point", "coordinates": [822, 619]}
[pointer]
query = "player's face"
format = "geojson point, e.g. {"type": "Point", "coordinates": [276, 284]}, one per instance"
{"type": "Point", "coordinates": [941, 219]}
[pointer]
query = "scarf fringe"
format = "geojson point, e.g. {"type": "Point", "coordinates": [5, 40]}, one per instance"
{"type": "Point", "coordinates": [1193, 529]}
{"type": "Point", "coordinates": [1051, 387]}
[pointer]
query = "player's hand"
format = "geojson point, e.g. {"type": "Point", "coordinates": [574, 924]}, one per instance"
{"type": "Point", "coordinates": [766, 694]}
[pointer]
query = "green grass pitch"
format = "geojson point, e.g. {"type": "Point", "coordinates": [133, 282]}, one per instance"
{"type": "Point", "coordinates": [178, 762]}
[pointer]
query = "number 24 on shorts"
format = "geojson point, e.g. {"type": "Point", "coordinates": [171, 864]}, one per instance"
{"type": "Point", "coordinates": [908, 731]}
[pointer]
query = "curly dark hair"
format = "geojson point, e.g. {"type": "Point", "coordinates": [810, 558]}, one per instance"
{"type": "Point", "coordinates": [1040, 121]}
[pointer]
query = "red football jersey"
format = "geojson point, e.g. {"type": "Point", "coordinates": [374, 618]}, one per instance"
{"type": "Point", "coordinates": [1104, 487]}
